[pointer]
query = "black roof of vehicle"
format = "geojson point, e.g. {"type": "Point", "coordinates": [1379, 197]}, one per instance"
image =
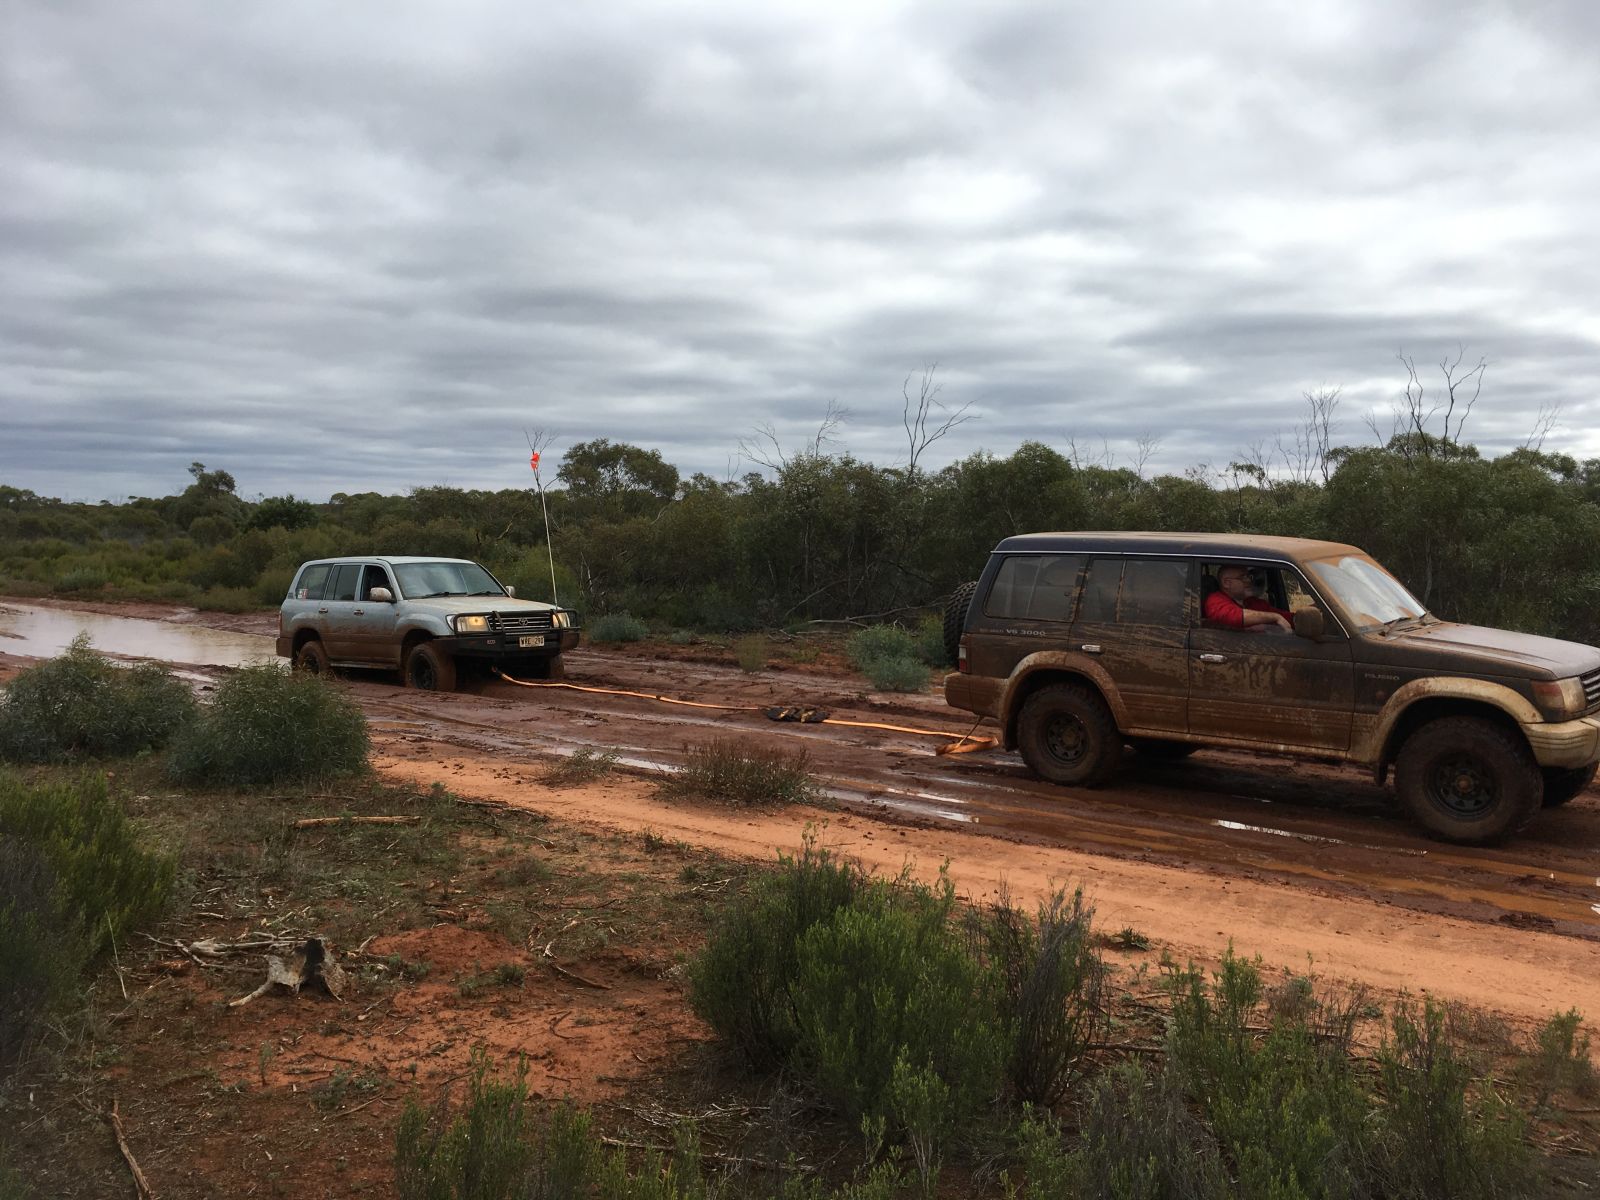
{"type": "Point", "coordinates": [1211, 545]}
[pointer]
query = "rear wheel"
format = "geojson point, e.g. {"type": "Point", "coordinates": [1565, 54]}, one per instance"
{"type": "Point", "coordinates": [312, 658]}
{"type": "Point", "coordinates": [1468, 779]}
{"type": "Point", "coordinates": [1562, 784]}
{"type": "Point", "coordinates": [955, 620]}
{"type": "Point", "coordinates": [1068, 735]}
{"type": "Point", "coordinates": [429, 669]}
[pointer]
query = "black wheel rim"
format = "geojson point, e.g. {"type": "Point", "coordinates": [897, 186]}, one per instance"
{"type": "Point", "coordinates": [1462, 786]}
{"type": "Point", "coordinates": [422, 672]}
{"type": "Point", "coordinates": [1066, 739]}
{"type": "Point", "coordinates": [310, 663]}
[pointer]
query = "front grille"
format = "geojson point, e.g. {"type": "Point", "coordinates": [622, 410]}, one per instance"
{"type": "Point", "coordinates": [1591, 688]}
{"type": "Point", "coordinates": [538, 622]}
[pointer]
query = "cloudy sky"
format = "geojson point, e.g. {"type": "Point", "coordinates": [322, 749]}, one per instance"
{"type": "Point", "coordinates": [362, 245]}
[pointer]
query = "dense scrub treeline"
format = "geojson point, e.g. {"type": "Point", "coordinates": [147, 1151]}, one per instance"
{"type": "Point", "coordinates": [1512, 540]}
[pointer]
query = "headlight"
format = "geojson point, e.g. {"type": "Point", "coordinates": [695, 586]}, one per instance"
{"type": "Point", "coordinates": [472, 623]}
{"type": "Point", "coordinates": [1560, 699]}
{"type": "Point", "coordinates": [560, 620]}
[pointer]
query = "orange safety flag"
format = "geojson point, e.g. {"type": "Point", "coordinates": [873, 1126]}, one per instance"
{"type": "Point", "coordinates": [533, 460]}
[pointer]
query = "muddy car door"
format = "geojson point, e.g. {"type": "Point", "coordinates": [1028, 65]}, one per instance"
{"type": "Point", "coordinates": [1272, 687]}
{"type": "Point", "coordinates": [1133, 615]}
{"type": "Point", "coordinates": [373, 622]}
{"type": "Point", "coordinates": [338, 612]}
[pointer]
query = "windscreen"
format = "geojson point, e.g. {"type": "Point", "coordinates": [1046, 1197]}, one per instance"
{"type": "Point", "coordinates": [1367, 592]}
{"type": "Point", "coordinates": [419, 581]}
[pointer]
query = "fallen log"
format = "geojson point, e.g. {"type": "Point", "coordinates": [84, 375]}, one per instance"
{"type": "Point", "coordinates": [324, 822]}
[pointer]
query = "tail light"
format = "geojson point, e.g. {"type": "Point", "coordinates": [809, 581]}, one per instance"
{"type": "Point", "coordinates": [961, 656]}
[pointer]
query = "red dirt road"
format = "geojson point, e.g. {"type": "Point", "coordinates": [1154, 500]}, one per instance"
{"type": "Point", "coordinates": [1285, 859]}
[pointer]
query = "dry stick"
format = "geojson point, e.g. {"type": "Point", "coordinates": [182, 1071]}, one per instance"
{"type": "Point", "coordinates": [139, 1181]}
{"type": "Point", "coordinates": [560, 970]}
{"type": "Point", "coordinates": [320, 822]}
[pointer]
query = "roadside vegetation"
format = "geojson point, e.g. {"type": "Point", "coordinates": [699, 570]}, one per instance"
{"type": "Point", "coordinates": [742, 773]}
{"type": "Point", "coordinates": [829, 537]}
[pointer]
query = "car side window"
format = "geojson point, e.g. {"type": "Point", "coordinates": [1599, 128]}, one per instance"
{"type": "Point", "coordinates": [1035, 587]}
{"type": "Point", "coordinates": [1155, 591]}
{"type": "Point", "coordinates": [377, 577]}
{"type": "Point", "coordinates": [343, 584]}
{"type": "Point", "coordinates": [313, 583]}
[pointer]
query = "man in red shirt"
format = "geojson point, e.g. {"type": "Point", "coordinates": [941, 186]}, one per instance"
{"type": "Point", "coordinates": [1235, 606]}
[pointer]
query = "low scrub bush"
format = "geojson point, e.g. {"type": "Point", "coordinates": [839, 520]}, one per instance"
{"type": "Point", "coordinates": [877, 642]}
{"type": "Point", "coordinates": [74, 878]}
{"type": "Point", "coordinates": [930, 642]}
{"type": "Point", "coordinates": [893, 1017]}
{"type": "Point", "coordinates": [267, 725]}
{"type": "Point", "coordinates": [1441, 1138]}
{"type": "Point", "coordinates": [750, 652]}
{"type": "Point", "coordinates": [617, 627]}
{"type": "Point", "coordinates": [736, 772]}
{"type": "Point", "coordinates": [1561, 1061]}
{"type": "Point", "coordinates": [80, 704]}
{"type": "Point", "coordinates": [79, 580]}
{"type": "Point", "coordinates": [1051, 985]}
{"type": "Point", "coordinates": [584, 765]}
{"type": "Point", "coordinates": [230, 599]}
{"type": "Point", "coordinates": [742, 983]}
{"type": "Point", "coordinates": [897, 674]}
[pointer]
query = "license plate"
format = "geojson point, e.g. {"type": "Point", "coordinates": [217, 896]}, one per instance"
{"type": "Point", "coordinates": [529, 640]}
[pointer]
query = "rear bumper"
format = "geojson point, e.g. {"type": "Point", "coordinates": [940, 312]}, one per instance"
{"type": "Point", "coordinates": [1565, 743]}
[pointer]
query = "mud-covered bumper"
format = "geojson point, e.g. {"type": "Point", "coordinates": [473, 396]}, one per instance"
{"type": "Point", "coordinates": [977, 694]}
{"type": "Point", "coordinates": [285, 647]}
{"type": "Point", "coordinates": [1565, 743]}
{"type": "Point", "coordinates": [509, 648]}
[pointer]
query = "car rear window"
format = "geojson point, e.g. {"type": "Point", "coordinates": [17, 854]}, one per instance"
{"type": "Point", "coordinates": [1035, 587]}
{"type": "Point", "coordinates": [1135, 591]}
{"type": "Point", "coordinates": [343, 584]}
{"type": "Point", "coordinates": [313, 583]}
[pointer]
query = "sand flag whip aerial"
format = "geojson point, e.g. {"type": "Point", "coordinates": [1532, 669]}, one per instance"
{"type": "Point", "coordinates": [533, 461]}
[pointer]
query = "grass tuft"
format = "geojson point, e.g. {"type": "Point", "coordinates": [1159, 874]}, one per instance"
{"type": "Point", "coordinates": [617, 627]}
{"type": "Point", "coordinates": [581, 766]}
{"type": "Point", "coordinates": [732, 771]}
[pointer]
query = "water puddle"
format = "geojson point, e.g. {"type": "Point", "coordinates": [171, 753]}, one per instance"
{"type": "Point", "coordinates": [46, 632]}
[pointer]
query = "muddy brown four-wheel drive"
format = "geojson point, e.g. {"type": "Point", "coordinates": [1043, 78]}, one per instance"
{"type": "Point", "coordinates": [1081, 644]}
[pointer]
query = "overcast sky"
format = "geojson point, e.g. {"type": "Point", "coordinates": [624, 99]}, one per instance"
{"type": "Point", "coordinates": [360, 245]}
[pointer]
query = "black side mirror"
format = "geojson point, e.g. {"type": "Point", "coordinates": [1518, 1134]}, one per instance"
{"type": "Point", "coordinates": [1309, 624]}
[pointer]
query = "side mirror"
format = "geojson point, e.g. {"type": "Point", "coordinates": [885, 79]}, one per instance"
{"type": "Point", "coordinates": [512, 592]}
{"type": "Point", "coordinates": [381, 595]}
{"type": "Point", "coordinates": [1309, 624]}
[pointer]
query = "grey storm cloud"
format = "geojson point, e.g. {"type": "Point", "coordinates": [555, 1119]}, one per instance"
{"type": "Point", "coordinates": [363, 246]}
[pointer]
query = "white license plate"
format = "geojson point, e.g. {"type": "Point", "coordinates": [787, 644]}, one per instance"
{"type": "Point", "coordinates": [528, 640]}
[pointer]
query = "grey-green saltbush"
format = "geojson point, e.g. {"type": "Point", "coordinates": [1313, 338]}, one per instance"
{"type": "Point", "coordinates": [897, 674]}
{"type": "Point", "coordinates": [82, 705]}
{"type": "Point", "coordinates": [617, 627]}
{"type": "Point", "coordinates": [877, 642]}
{"type": "Point", "coordinates": [267, 725]}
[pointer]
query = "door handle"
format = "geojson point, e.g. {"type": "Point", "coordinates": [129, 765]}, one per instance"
{"type": "Point", "coordinates": [1213, 658]}
{"type": "Point", "coordinates": [322, 610]}
{"type": "Point", "coordinates": [1090, 648]}
{"type": "Point", "coordinates": [359, 612]}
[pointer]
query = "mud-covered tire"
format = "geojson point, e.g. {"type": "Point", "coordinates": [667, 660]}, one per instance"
{"type": "Point", "coordinates": [1468, 779]}
{"type": "Point", "coordinates": [1068, 735]}
{"type": "Point", "coordinates": [312, 659]}
{"type": "Point", "coordinates": [955, 620]}
{"type": "Point", "coordinates": [1160, 750]}
{"type": "Point", "coordinates": [429, 669]}
{"type": "Point", "coordinates": [1562, 784]}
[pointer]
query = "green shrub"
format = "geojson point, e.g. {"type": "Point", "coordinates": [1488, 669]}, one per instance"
{"type": "Point", "coordinates": [617, 627]}
{"type": "Point", "coordinates": [1561, 1061]}
{"type": "Point", "coordinates": [583, 765]}
{"type": "Point", "coordinates": [1051, 985]}
{"type": "Point", "coordinates": [1439, 1139]}
{"type": "Point", "coordinates": [930, 642]}
{"type": "Point", "coordinates": [897, 674]}
{"type": "Point", "coordinates": [81, 579]}
{"type": "Point", "coordinates": [80, 704]}
{"type": "Point", "coordinates": [742, 983]}
{"type": "Point", "coordinates": [876, 642]}
{"type": "Point", "coordinates": [1286, 1107]}
{"type": "Point", "coordinates": [750, 652]}
{"type": "Point", "coordinates": [885, 984]}
{"type": "Point", "coordinates": [230, 599]}
{"type": "Point", "coordinates": [40, 953]}
{"type": "Point", "coordinates": [73, 880]}
{"type": "Point", "coordinates": [732, 771]}
{"type": "Point", "coordinates": [267, 725]}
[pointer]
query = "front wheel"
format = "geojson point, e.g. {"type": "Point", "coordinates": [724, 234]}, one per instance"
{"type": "Point", "coordinates": [429, 669]}
{"type": "Point", "coordinates": [1068, 735]}
{"type": "Point", "coordinates": [311, 658]}
{"type": "Point", "coordinates": [1468, 779]}
{"type": "Point", "coordinates": [1562, 784]}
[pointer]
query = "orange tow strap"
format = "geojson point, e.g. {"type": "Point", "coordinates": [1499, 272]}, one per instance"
{"type": "Point", "coordinates": [966, 744]}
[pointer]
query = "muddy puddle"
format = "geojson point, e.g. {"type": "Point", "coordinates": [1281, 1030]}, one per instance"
{"type": "Point", "coordinates": [45, 632]}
